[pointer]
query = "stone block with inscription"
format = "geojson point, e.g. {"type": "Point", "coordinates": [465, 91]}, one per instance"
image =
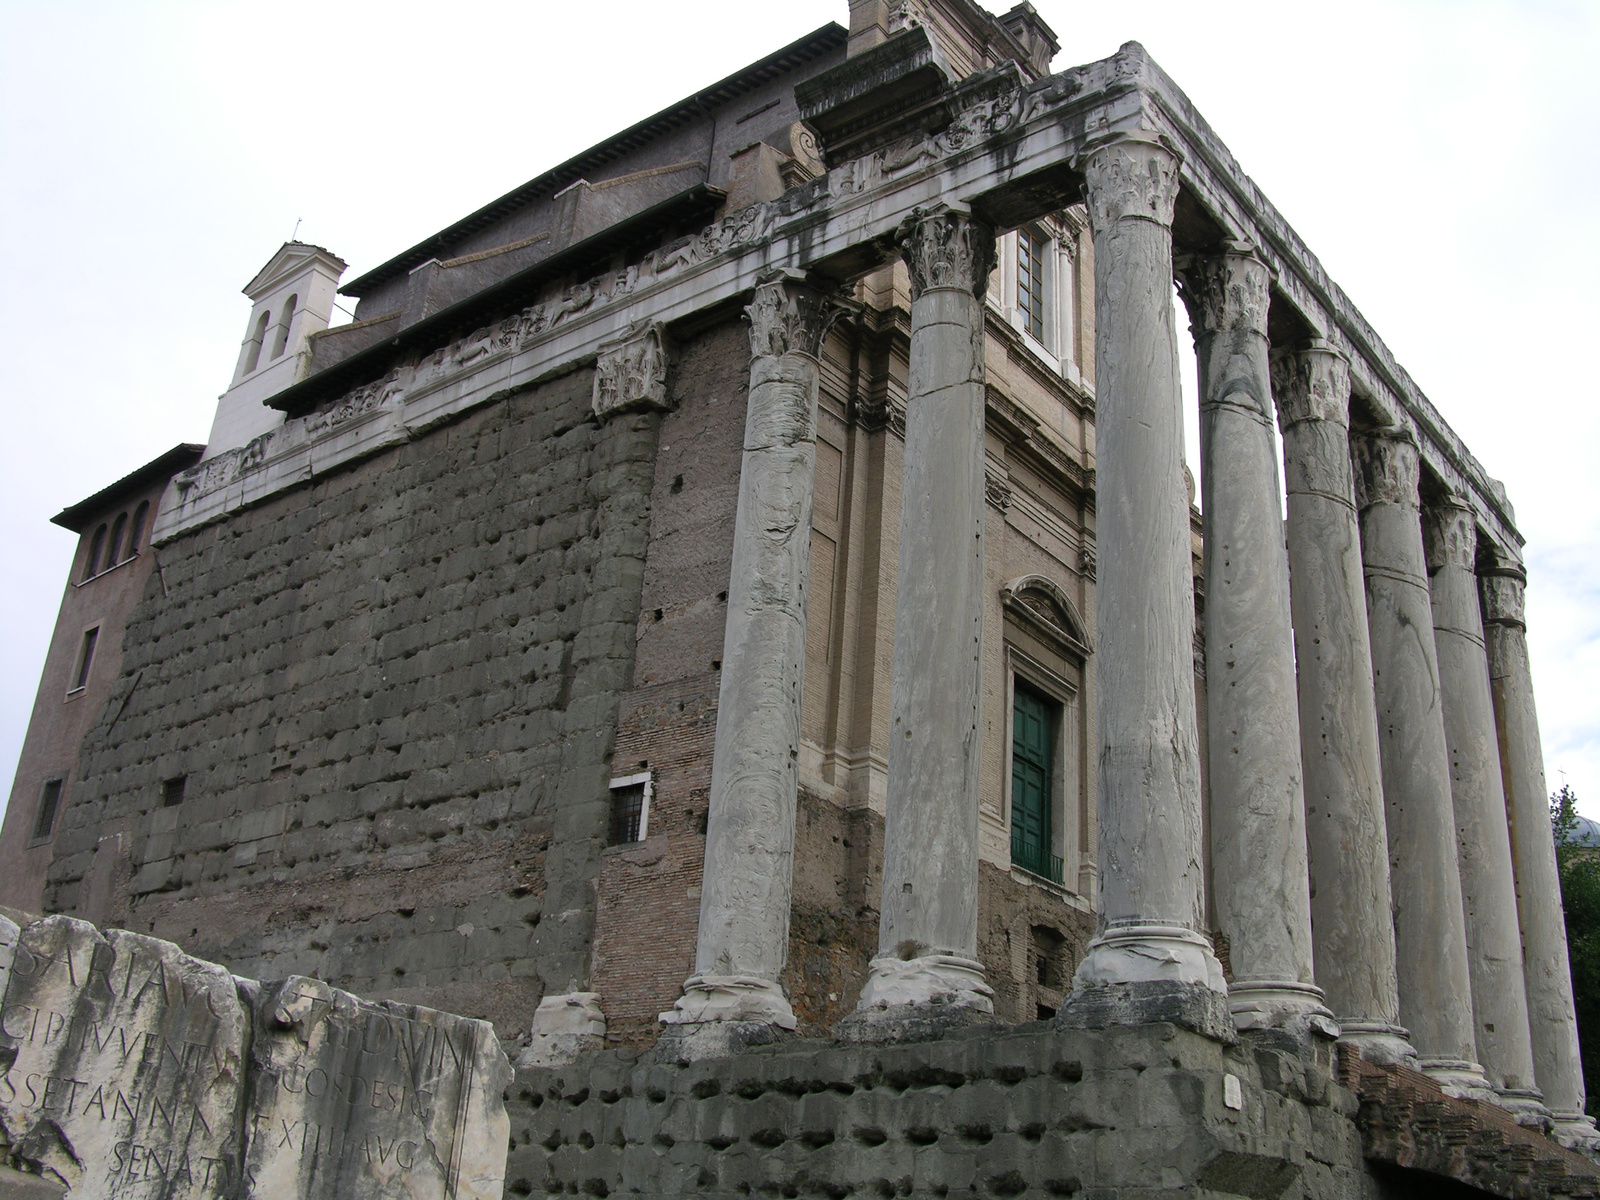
{"type": "Point", "coordinates": [355, 1099]}
{"type": "Point", "coordinates": [123, 1063]}
{"type": "Point", "coordinates": [130, 1069]}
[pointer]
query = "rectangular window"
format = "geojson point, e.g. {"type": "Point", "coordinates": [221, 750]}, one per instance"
{"type": "Point", "coordinates": [172, 791]}
{"type": "Point", "coordinates": [1031, 250]}
{"type": "Point", "coordinates": [1034, 721]}
{"type": "Point", "coordinates": [630, 809]}
{"type": "Point", "coordinates": [44, 823]}
{"type": "Point", "coordinates": [85, 659]}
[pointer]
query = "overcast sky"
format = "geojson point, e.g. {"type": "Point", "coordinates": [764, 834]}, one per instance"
{"type": "Point", "coordinates": [1442, 159]}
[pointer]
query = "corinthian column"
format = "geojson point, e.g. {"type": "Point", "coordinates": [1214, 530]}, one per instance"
{"type": "Point", "coordinates": [1488, 886]}
{"type": "Point", "coordinates": [1551, 1017]}
{"type": "Point", "coordinates": [928, 922]}
{"type": "Point", "coordinates": [1429, 926]}
{"type": "Point", "coordinates": [1349, 851]}
{"type": "Point", "coordinates": [744, 899]}
{"type": "Point", "coordinates": [1149, 956]}
{"type": "Point", "coordinates": [1258, 837]}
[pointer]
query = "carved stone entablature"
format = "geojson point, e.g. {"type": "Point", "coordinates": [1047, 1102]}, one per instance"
{"type": "Point", "coordinates": [1228, 291]}
{"type": "Point", "coordinates": [1312, 384]}
{"type": "Point", "coordinates": [1388, 468]}
{"type": "Point", "coordinates": [946, 248]}
{"type": "Point", "coordinates": [1132, 178]}
{"type": "Point", "coordinates": [1451, 534]}
{"type": "Point", "coordinates": [1502, 590]}
{"type": "Point", "coordinates": [789, 316]}
{"type": "Point", "coordinates": [631, 372]}
{"type": "Point", "coordinates": [1043, 606]}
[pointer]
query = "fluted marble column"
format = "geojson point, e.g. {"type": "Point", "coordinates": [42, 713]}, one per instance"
{"type": "Point", "coordinates": [928, 922]}
{"type": "Point", "coordinates": [1258, 838]}
{"type": "Point", "coordinates": [1551, 1017]}
{"type": "Point", "coordinates": [744, 898]}
{"type": "Point", "coordinates": [1349, 851]}
{"type": "Point", "coordinates": [1149, 949]}
{"type": "Point", "coordinates": [1483, 841]}
{"type": "Point", "coordinates": [1425, 880]}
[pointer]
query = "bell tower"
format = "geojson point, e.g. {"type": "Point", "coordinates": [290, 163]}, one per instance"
{"type": "Point", "coordinates": [291, 298]}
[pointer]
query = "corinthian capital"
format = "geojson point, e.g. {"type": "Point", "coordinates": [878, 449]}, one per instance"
{"type": "Point", "coordinates": [631, 372]}
{"type": "Point", "coordinates": [944, 248]}
{"type": "Point", "coordinates": [788, 315]}
{"type": "Point", "coordinates": [1312, 384]}
{"type": "Point", "coordinates": [1228, 291]}
{"type": "Point", "coordinates": [1132, 178]}
{"type": "Point", "coordinates": [1451, 533]}
{"type": "Point", "coordinates": [1502, 590]}
{"type": "Point", "coordinates": [1388, 467]}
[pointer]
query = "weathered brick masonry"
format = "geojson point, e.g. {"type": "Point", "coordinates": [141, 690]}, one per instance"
{"type": "Point", "coordinates": [392, 695]}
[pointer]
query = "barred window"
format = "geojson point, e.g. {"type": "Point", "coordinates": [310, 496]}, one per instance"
{"type": "Point", "coordinates": [630, 809]}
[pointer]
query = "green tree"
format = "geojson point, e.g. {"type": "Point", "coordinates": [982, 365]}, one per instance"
{"type": "Point", "coordinates": [1580, 897]}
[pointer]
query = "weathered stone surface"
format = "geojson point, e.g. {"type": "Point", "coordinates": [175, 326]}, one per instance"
{"type": "Point", "coordinates": [125, 1059]}
{"type": "Point", "coordinates": [353, 1099]}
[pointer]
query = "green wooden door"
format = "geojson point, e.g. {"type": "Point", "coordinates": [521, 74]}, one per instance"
{"type": "Point", "coordinates": [1033, 740]}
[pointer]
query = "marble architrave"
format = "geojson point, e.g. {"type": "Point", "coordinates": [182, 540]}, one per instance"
{"type": "Point", "coordinates": [1150, 952]}
{"type": "Point", "coordinates": [1343, 775]}
{"type": "Point", "coordinates": [1425, 880]}
{"type": "Point", "coordinates": [1258, 837]}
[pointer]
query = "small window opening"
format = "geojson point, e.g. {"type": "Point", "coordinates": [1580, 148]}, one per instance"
{"type": "Point", "coordinates": [119, 528]}
{"type": "Point", "coordinates": [252, 351]}
{"type": "Point", "coordinates": [282, 340]}
{"type": "Point", "coordinates": [85, 659]}
{"type": "Point", "coordinates": [1030, 280]}
{"type": "Point", "coordinates": [44, 823]}
{"type": "Point", "coordinates": [630, 809]}
{"type": "Point", "coordinates": [96, 545]}
{"type": "Point", "coordinates": [136, 530]}
{"type": "Point", "coordinates": [1047, 965]}
{"type": "Point", "coordinates": [172, 791]}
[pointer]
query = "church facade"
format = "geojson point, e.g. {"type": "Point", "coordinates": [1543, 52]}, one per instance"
{"type": "Point", "coordinates": [737, 599]}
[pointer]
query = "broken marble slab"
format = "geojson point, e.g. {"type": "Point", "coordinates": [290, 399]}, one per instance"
{"type": "Point", "coordinates": [123, 1060]}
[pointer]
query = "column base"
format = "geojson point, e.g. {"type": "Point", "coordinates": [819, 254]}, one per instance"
{"type": "Point", "coordinates": [1575, 1131]}
{"type": "Point", "coordinates": [1147, 953]}
{"type": "Point", "coordinates": [708, 999]}
{"type": "Point", "coordinates": [564, 1026]}
{"type": "Point", "coordinates": [1148, 1002]}
{"type": "Point", "coordinates": [1280, 1004]}
{"type": "Point", "coordinates": [948, 980]}
{"type": "Point", "coordinates": [1526, 1105]}
{"type": "Point", "coordinates": [1380, 1044]}
{"type": "Point", "coordinates": [1459, 1077]}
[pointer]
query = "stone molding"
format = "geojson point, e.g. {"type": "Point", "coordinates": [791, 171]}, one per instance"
{"type": "Point", "coordinates": [788, 315]}
{"type": "Point", "coordinates": [631, 373]}
{"type": "Point", "coordinates": [1388, 467]}
{"type": "Point", "coordinates": [946, 248]}
{"type": "Point", "coordinates": [1229, 291]}
{"type": "Point", "coordinates": [1132, 178]}
{"type": "Point", "coordinates": [1312, 384]}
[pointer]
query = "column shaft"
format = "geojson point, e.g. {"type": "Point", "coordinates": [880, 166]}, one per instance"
{"type": "Point", "coordinates": [1552, 1019]}
{"type": "Point", "coordinates": [1488, 886]}
{"type": "Point", "coordinates": [928, 922]}
{"type": "Point", "coordinates": [1429, 926]}
{"type": "Point", "coordinates": [744, 899]}
{"type": "Point", "coordinates": [1258, 842]}
{"type": "Point", "coordinates": [1345, 828]}
{"type": "Point", "coordinates": [1149, 831]}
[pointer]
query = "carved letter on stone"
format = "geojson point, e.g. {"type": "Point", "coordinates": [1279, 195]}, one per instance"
{"type": "Point", "coordinates": [631, 373]}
